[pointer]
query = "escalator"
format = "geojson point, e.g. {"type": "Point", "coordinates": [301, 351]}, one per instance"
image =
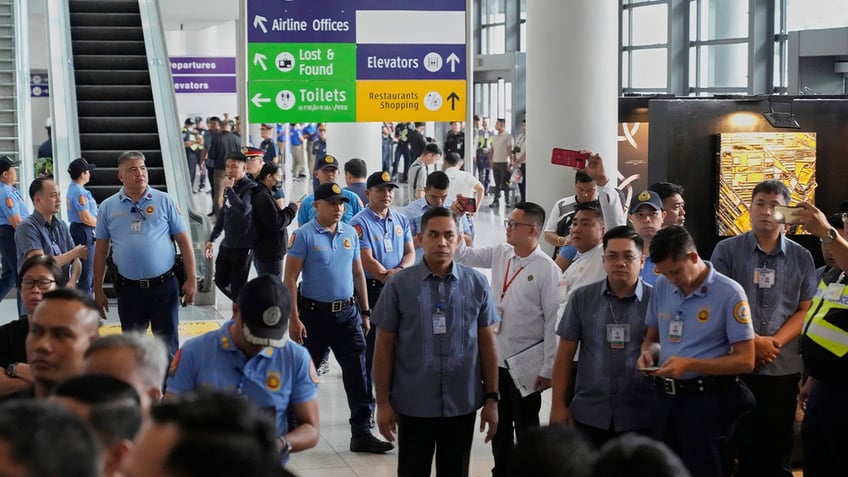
{"type": "Point", "coordinates": [120, 98]}
{"type": "Point", "coordinates": [114, 101]}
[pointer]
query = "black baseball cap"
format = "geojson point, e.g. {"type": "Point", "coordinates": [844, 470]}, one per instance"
{"type": "Point", "coordinates": [6, 163]}
{"type": "Point", "coordinates": [329, 161]}
{"type": "Point", "coordinates": [380, 179]}
{"type": "Point", "coordinates": [78, 166]}
{"type": "Point", "coordinates": [189, 122]}
{"type": "Point", "coordinates": [330, 192]}
{"type": "Point", "coordinates": [264, 306]}
{"type": "Point", "coordinates": [649, 198]}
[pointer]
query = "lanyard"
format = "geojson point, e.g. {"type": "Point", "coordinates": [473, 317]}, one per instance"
{"type": "Point", "coordinates": [506, 283]}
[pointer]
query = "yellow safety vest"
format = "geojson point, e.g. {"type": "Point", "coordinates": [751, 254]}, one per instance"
{"type": "Point", "coordinates": [817, 328]}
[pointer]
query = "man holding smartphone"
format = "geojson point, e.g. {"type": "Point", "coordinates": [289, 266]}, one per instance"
{"type": "Point", "coordinates": [778, 276]}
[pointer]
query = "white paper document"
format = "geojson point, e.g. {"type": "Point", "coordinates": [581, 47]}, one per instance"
{"type": "Point", "coordinates": [524, 367]}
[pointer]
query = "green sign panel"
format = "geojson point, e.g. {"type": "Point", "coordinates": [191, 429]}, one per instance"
{"type": "Point", "coordinates": [317, 101]}
{"type": "Point", "coordinates": [305, 62]}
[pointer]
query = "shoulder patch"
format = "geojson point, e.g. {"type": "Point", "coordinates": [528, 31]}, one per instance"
{"type": "Point", "coordinates": [9, 202]}
{"type": "Point", "coordinates": [82, 200]}
{"type": "Point", "coordinates": [291, 239]}
{"type": "Point", "coordinates": [358, 230]}
{"type": "Point", "coordinates": [172, 370]}
{"type": "Point", "coordinates": [742, 313]}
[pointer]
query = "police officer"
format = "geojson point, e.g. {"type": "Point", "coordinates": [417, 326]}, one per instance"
{"type": "Point", "coordinates": [702, 321]}
{"type": "Point", "coordinates": [13, 210]}
{"type": "Point", "coordinates": [141, 224]}
{"type": "Point", "coordinates": [327, 170]}
{"type": "Point", "coordinates": [385, 247]}
{"type": "Point", "coordinates": [82, 214]}
{"type": "Point", "coordinates": [324, 314]}
{"type": "Point", "coordinates": [824, 341]}
{"type": "Point", "coordinates": [250, 357]}
{"type": "Point", "coordinates": [234, 218]}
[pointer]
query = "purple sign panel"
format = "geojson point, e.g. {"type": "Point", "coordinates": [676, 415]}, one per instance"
{"type": "Point", "coordinates": [420, 62]}
{"type": "Point", "coordinates": [301, 22]}
{"type": "Point", "coordinates": [202, 65]}
{"type": "Point", "coordinates": [204, 84]}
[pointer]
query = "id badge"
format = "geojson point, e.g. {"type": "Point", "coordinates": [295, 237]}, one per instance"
{"type": "Point", "coordinates": [764, 277]}
{"type": "Point", "coordinates": [618, 335]}
{"type": "Point", "coordinates": [135, 227]}
{"type": "Point", "coordinates": [675, 331]}
{"type": "Point", "coordinates": [834, 292]}
{"type": "Point", "coordinates": [387, 245]}
{"type": "Point", "coordinates": [440, 322]}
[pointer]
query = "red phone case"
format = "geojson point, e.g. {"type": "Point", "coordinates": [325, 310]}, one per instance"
{"type": "Point", "coordinates": [568, 158]}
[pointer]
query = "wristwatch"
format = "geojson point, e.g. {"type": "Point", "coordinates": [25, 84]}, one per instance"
{"type": "Point", "coordinates": [286, 447]}
{"type": "Point", "coordinates": [493, 395]}
{"type": "Point", "coordinates": [12, 370]}
{"type": "Point", "coordinates": [830, 236]}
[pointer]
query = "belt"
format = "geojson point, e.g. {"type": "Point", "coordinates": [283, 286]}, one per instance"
{"type": "Point", "coordinates": [146, 282]}
{"type": "Point", "coordinates": [333, 306]}
{"type": "Point", "coordinates": [674, 387]}
{"type": "Point", "coordinates": [374, 283]}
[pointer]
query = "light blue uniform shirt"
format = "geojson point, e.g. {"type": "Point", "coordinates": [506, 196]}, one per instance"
{"type": "Point", "coordinates": [375, 233]}
{"type": "Point", "coordinates": [307, 212]}
{"type": "Point", "coordinates": [142, 245]}
{"type": "Point", "coordinates": [79, 199]}
{"type": "Point", "coordinates": [327, 260]}
{"type": "Point", "coordinates": [714, 316]}
{"type": "Point", "coordinates": [648, 274]}
{"type": "Point", "coordinates": [436, 375]}
{"type": "Point", "coordinates": [794, 282]}
{"type": "Point", "coordinates": [13, 204]}
{"type": "Point", "coordinates": [415, 210]}
{"type": "Point", "coordinates": [273, 379]}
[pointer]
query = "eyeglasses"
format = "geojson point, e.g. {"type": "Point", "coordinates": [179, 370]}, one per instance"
{"type": "Point", "coordinates": [43, 283]}
{"type": "Point", "coordinates": [613, 258]}
{"type": "Point", "coordinates": [511, 224]}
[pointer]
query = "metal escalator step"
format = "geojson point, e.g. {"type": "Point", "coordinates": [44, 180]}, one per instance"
{"type": "Point", "coordinates": [115, 108]}
{"type": "Point", "coordinates": [105, 18]}
{"type": "Point", "coordinates": [108, 158]}
{"type": "Point", "coordinates": [112, 77]}
{"type": "Point", "coordinates": [126, 142]}
{"type": "Point", "coordinates": [122, 47]}
{"type": "Point", "coordinates": [114, 93]}
{"type": "Point", "coordinates": [106, 33]}
{"type": "Point", "coordinates": [105, 62]}
{"type": "Point", "coordinates": [98, 6]}
{"type": "Point", "coordinates": [117, 124]}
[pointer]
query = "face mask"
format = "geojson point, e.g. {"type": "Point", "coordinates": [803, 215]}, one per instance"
{"type": "Point", "coordinates": [276, 187]}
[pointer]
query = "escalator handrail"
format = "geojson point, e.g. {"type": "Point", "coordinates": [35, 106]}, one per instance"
{"type": "Point", "coordinates": [170, 137]}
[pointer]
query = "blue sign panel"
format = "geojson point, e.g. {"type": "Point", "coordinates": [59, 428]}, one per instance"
{"type": "Point", "coordinates": [410, 62]}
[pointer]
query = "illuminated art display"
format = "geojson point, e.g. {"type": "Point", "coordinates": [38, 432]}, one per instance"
{"type": "Point", "coordinates": [746, 159]}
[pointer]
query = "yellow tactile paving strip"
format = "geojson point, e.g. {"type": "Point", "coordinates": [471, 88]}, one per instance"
{"type": "Point", "coordinates": [187, 328]}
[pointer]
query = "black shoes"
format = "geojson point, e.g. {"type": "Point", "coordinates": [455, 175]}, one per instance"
{"type": "Point", "coordinates": [494, 205]}
{"type": "Point", "coordinates": [369, 443]}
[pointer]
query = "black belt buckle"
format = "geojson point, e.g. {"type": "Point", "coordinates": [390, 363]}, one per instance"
{"type": "Point", "coordinates": [670, 386]}
{"type": "Point", "coordinates": [336, 306]}
{"type": "Point", "coordinates": [144, 283]}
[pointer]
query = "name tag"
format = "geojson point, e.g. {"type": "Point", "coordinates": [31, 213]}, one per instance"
{"type": "Point", "coordinates": [675, 331]}
{"type": "Point", "coordinates": [618, 335]}
{"type": "Point", "coordinates": [834, 292]}
{"type": "Point", "coordinates": [440, 322]}
{"type": "Point", "coordinates": [135, 227]}
{"type": "Point", "coordinates": [764, 277]}
{"type": "Point", "coordinates": [387, 245]}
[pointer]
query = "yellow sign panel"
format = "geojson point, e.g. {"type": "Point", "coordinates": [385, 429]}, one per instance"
{"type": "Point", "coordinates": [437, 100]}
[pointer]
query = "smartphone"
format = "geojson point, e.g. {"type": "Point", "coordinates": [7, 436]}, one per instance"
{"type": "Point", "coordinates": [568, 158]}
{"type": "Point", "coordinates": [649, 369]}
{"type": "Point", "coordinates": [468, 204]}
{"type": "Point", "coordinates": [787, 214]}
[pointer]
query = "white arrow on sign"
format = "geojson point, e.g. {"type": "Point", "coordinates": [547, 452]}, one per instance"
{"type": "Point", "coordinates": [259, 22]}
{"type": "Point", "coordinates": [453, 60]}
{"type": "Point", "coordinates": [259, 59]}
{"type": "Point", "coordinates": [257, 100]}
